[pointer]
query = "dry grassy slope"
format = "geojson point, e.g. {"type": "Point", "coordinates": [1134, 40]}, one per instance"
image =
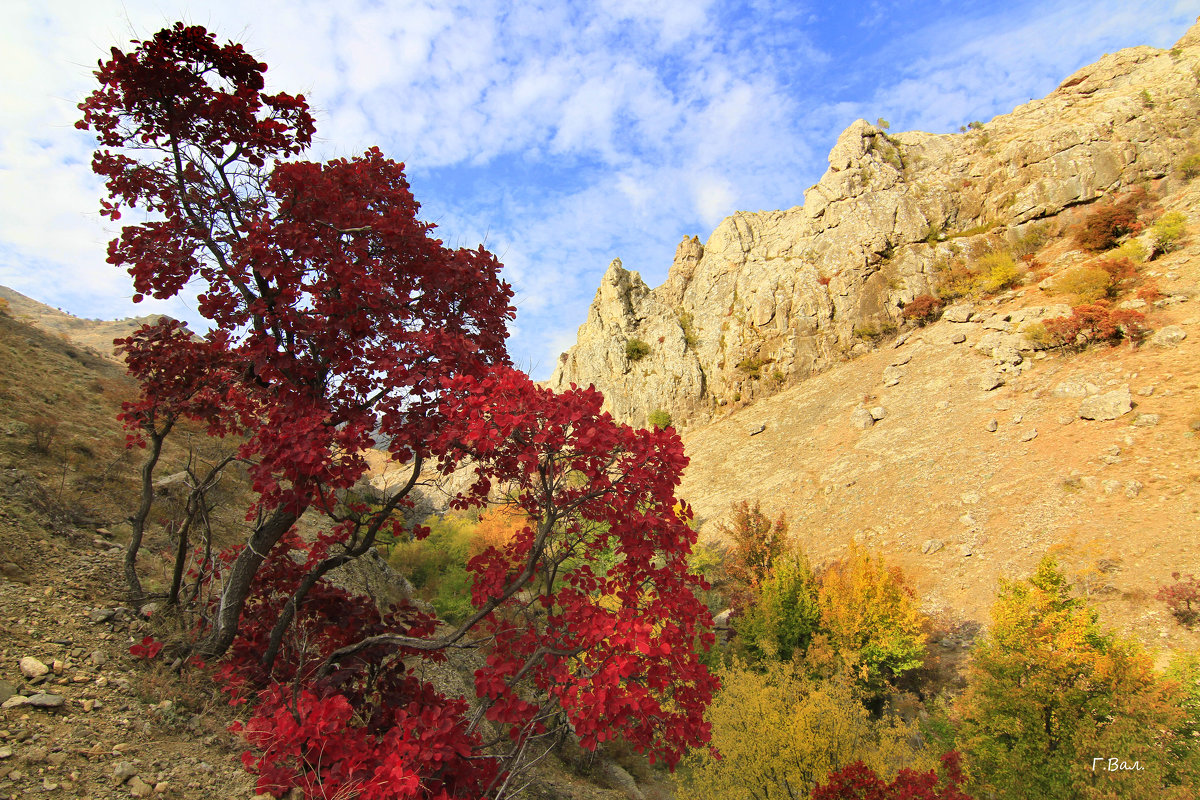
{"type": "Point", "coordinates": [931, 469]}
{"type": "Point", "coordinates": [55, 569]}
{"type": "Point", "coordinates": [92, 334]}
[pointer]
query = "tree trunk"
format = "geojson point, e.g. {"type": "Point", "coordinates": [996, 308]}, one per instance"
{"type": "Point", "coordinates": [138, 520]}
{"type": "Point", "coordinates": [241, 579]}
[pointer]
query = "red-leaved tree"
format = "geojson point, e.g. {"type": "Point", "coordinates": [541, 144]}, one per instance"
{"type": "Point", "coordinates": [338, 323]}
{"type": "Point", "coordinates": [335, 314]}
{"type": "Point", "coordinates": [859, 782]}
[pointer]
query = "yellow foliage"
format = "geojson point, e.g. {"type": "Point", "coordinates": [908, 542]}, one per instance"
{"type": "Point", "coordinates": [1132, 249]}
{"type": "Point", "coordinates": [997, 271]}
{"type": "Point", "coordinates": [871, 619]}
{"type": "Point", "coordinates": [1049, 691]}
{"type": "Point", "coordinates": [780, 734]}
{"type": "Point", "coordinates": [1087, 284]}
{"type": "Point", "coordinates": [496, 528]}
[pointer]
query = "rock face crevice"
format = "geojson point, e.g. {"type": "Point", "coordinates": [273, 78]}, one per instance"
{"type": "Point", "coordinates": [774, 296]}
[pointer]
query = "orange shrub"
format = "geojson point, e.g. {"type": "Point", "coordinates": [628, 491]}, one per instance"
{"type": "Point", "coordinates": [755, 544]}
{"type": "Point", "coordinates": [1093, 323]}
{"type": "Point", "coordinates": [923, 308]}
{"type": "Point", "coordinates": [496, 528]}
{"type": "Point", "coordinates": [1107, 222]}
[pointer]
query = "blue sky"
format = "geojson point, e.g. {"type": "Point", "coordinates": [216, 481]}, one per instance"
{"type": "Point", "coordinates": [561, 135]}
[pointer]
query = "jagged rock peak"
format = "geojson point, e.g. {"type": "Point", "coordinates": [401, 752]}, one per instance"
{"type": "Point", "coordinates": [772, 297]}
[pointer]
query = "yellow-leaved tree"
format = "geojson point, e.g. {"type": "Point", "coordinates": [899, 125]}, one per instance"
{"type": "Point", "coordinates": [780, 733]}
{"type": "Point", "coordinates": [1057, 707]}
{"type": "Point", "coordinates": [870, 620]}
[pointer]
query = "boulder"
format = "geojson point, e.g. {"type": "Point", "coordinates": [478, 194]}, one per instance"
{"type": "Point", "coordinates": [1106, 406]}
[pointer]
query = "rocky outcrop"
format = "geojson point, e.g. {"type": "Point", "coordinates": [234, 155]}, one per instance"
{"type": "Point", "coordinates": [773, 297]}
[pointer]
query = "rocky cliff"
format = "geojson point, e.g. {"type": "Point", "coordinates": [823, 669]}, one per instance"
{"type": "Point", "coordinates": [776, 296]}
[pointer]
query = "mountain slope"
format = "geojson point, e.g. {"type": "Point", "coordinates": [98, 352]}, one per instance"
{"type": "Point", "coordinates": [775, 297]}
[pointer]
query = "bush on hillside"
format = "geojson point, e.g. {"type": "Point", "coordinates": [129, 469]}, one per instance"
{"type": "Point", "coordinates": [1189, 166]}
{"type": "Point", "coordinates": [1094, 323]}
{"type": "Point", "coordinates": [1182, 597]}
{"type": "Point", "coordinates": [755, 544]}
{"type": "Point", "coordinates": [636, 349]}
{"type": "Point", "coordinates": [1168, 231]}
{"type": "Point", "coordinates": [997, 271]}
{"type": "Point", "coordinates": [1086, 284]}
{"type": "Point", "coordinates": [1108, 222]}
{"type": "Point", "coordinates": [783, 733]}
{"type": "Point", "coordinates": [1050, 693]}
{"type": "Point", "coordinates": [871, 620]}
{"type": "Point", "coordinates": [922, 309]}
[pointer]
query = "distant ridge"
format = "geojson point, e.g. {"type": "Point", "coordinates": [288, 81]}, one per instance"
{"type": "Point", "coordinates": [95, 334]}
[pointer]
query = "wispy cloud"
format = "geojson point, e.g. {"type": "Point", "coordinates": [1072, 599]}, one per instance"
{"type": "Point", "coordinates": [565, 133]}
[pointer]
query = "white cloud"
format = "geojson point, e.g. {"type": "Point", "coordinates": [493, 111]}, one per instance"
{"type": "Point", "coordinates": [582, 131]}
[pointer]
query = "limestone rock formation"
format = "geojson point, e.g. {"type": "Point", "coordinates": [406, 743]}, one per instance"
{"type": "Point", "coordinates": [775, 296]}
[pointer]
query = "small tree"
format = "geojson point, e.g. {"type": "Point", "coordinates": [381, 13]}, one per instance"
{"type": "Point", "coordinates": [779, 734]}
{"type": "Point", "coordinates": [339, 322]}
{"type": "Point", "coordinates": [755, 543]}
{"type": "Point", "coordinates": [784, 614]}
{"type": "Point", "coordinates": [871, 619]}
{"type": "Point", "coordinates": [1049, 692]}
{"type": "Point", "coordinates": [1182, 597]}
{"type": "Point", "coordinates": [659, 418]}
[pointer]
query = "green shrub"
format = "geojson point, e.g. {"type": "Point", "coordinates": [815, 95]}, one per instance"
{"type": "Point", "coordinates": [687, 323]}
{"type": "Point", "coordinates": [784, 615]}
{"type": "Point", "coordinates": [752, 367]}
{"type": "Point", "coordinates": [1168, 231]}
{"type": "Point", "coordinates": [636, 349]}
{"type": "Point", "coordinates": [659, 419]}
{"type": "Point", "coordinates": [1189, 166]}
{"type": "Point", "coordinates": [982, 227]}
{"type": "Point", "coordinates": [1029, 242]}
{"type": "Point", "coordinates": [934, 233]}
{"type": "Point", "coordinates": [868, 331]}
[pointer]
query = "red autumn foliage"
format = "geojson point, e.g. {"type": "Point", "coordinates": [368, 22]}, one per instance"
{"type": "Point", "coordinates": [338, 323]}
{"type": "Point", "coordinates": [1108, 222]}
{"type": "Point", "coordinates": [335, 314]}
{"type": "Point", "coordinates": [1182, 597]}
{"type": "Point", "coordinates": [922, 309]}
{"type": "Point", "coordinates": [1089, 324]}
{"type": "Point", "coordinates": [148, 649]}
{"type": "Point", "coordinates": [859, 782]}
{"type": "Point", "coordinates": [1121, 270]}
